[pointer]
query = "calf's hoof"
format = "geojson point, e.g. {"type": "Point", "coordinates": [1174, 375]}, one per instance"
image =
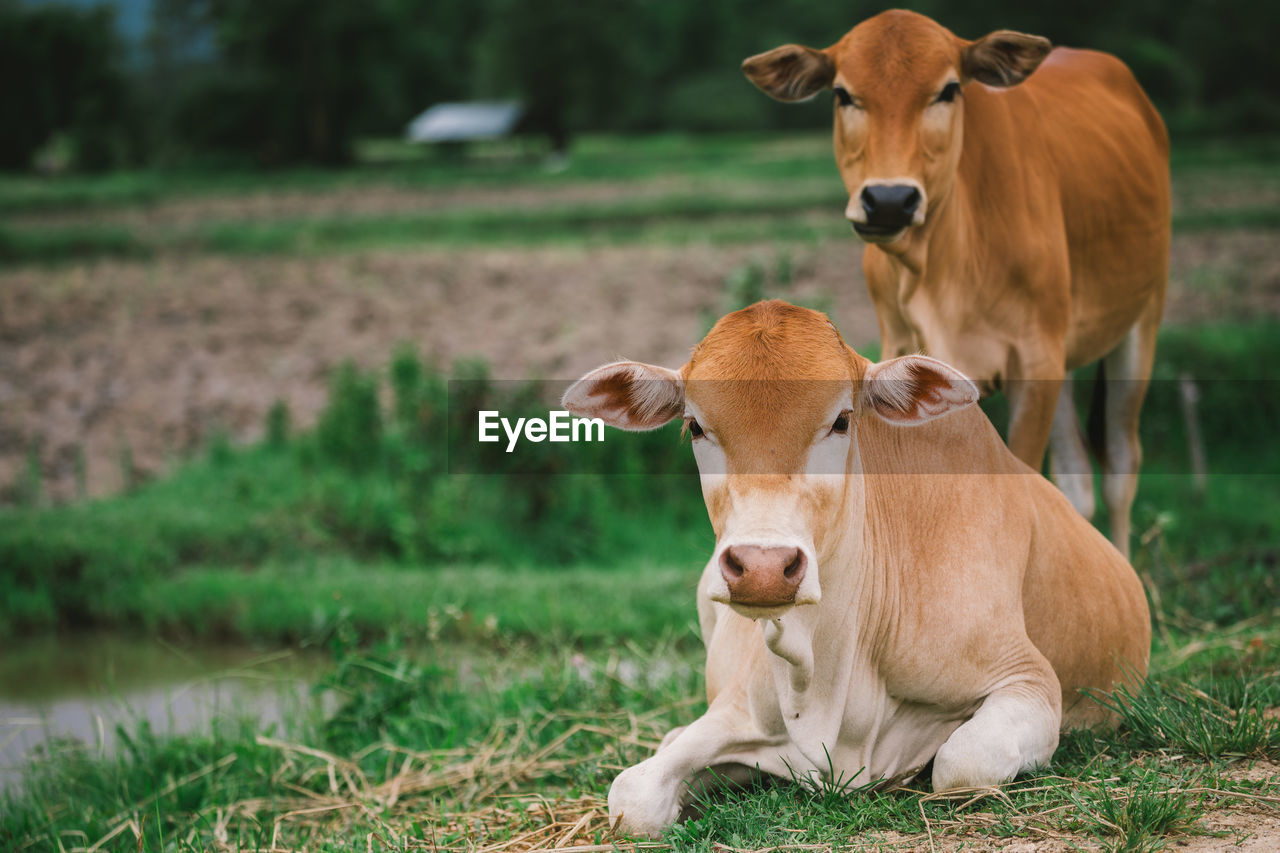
{"type": "Point", "coordinates": [642, 802]}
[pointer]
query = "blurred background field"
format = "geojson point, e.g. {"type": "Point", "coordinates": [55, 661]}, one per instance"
{"type": "Point", "coordinates": [212, 82]}
{"type": "Point", "coordinates": [231, 301]}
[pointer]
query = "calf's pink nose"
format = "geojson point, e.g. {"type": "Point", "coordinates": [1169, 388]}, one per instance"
{"type": "Point", "coordinates": [762, 577]}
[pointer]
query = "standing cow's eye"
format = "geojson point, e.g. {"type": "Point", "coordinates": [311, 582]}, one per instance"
{"type": "Point", "coordinates": [694, 428]}
{"type": "Point", "coordinates": [841, 425]}
{"type": "Point", "coordinates": [843, 98]}
{"type": "Point", "coordinates": [948, 93]}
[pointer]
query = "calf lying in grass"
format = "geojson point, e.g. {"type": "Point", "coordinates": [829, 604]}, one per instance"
{"type": "Point", "coordinates": [889, 586]}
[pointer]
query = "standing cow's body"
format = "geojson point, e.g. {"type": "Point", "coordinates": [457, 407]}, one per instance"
{"type": "Point", "coordinates": [1016, 230]}
{"type": "Point", "coordinates": [962, 605]}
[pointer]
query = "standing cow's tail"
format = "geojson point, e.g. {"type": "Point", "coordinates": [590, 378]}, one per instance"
{"type": "Point", "coordinates": [1097, 426]}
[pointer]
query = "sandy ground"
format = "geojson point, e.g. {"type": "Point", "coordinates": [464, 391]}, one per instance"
{"type": "Point", "coordinates": [1239, 825]}
{"type": "Point", "coordinates": [155, 356]}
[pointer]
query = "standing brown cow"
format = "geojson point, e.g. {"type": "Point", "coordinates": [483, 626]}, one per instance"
{"type": "Point", "coordinates": [1017, 230]}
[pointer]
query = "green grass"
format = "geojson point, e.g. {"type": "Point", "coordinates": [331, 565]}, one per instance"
{"type": "Point", "coordinates": [804, 215]}
{"type": "Point", "coordinates": [726, 189]}
{"type": "Point", "coordinates": [1233, 154]}
{"type": "Point", "coordinates": [395, 718]}
{"type": "Point", "coordinates": [204, 552]}
{"type": "Point", "coordinates": [374, 486]}
{"type": "Point", "coordinates": [499, 697]}
{"type": "Point", "coordinates": [267, 547]}
{"type": "Point", "coordinates": [1261, 217]}
{"type": "Point", "coordinates": [68, 244]}
{"type": "Point", "coordinates": [767, 157]}
{"type": "Point", "coordinates": [207, 551]}
{"type": "Point", "coordinates": [1136, 820]}
{"type": "Point", "coordinates": [1188, 719]}
{"type": "Point", "coordinates": [504, 643]}
{"type": "Point", "coordinates": [594, 158]}
{"type": "Point", "coordinates": [679, 218]}
{"type": "Point", "coordinates": [486, 746]}
{"type": "Point", "coordinates": [308, 601]}
{"type": "Point", "coordinates": [668, 219]}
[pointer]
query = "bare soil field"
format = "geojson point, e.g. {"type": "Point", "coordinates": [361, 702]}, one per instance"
{"type": "Point", "coordinates": [146, 360]}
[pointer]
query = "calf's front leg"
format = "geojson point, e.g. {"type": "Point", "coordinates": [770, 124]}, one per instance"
{"type": "Point", "coordinates": [649, 797]}
{"type": "Point", "coordinates": [1014, 730]}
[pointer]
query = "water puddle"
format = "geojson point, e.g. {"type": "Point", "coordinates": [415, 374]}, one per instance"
{"type": "Point", "coordinates": [59, 690]}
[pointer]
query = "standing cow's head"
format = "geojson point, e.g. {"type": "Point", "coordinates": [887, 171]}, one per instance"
{"type": "Point", "coordinates": [773, 400]}
{"type": "Point", "coordinates": [899, 81]}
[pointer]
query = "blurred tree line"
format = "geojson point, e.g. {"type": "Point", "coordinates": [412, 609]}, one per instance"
{"type": "Point", "coordinates": [297, 81]}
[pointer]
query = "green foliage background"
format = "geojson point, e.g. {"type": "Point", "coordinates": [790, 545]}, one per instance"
{"type": "Point", "coordinates": [294, 82]}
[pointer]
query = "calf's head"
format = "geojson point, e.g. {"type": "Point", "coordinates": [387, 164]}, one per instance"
{"type": "Point", "coordinates": [899, 81]}
{"type": "Point", "coordinates": [773, 400]}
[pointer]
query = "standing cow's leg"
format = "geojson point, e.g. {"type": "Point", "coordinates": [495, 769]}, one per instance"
{"type": "Point", "coordinates": [1014, 730]}
{"type": "Point", "coordinates": [649, 797]}
{"type": "Point", "coordinates": [1033, 397]}
{"type": "Point", "coordinates": [1127, 369]}
{"type": "Point", "coordinates": [1069, 458]}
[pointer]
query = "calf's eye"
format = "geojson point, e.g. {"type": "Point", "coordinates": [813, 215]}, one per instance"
{"type": "Point", "coordinates": [843, 98]}
{"type": "Point", "coordinates": [694, 428]}
{"type": "Point", "coordinates": [841, 425]}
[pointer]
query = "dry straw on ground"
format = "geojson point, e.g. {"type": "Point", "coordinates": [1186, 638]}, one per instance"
{"type": "Point", "coordinates": [488, 799]}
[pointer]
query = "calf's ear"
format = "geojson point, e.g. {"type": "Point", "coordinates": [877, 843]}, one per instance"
{"type": "Point", "coordinates": [628, 395]}
{"type": "Point", "coordinates": [1003, 58]}
{"type": "Point", "coordinates": [914, 388]}
{"type": "Point", "coordinates": [791, 72]}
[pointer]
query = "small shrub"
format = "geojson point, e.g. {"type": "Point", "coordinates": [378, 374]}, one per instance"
{"type": "Point", "coordinates": [278, 425]}
{"type": "Point", "coordinates": [349, 432]}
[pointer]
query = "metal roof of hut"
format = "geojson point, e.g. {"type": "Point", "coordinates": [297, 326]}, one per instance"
{"type": "Point", "coordinates": [466, 121]}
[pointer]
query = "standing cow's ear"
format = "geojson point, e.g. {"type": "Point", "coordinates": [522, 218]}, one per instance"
{"type": "Point", "coordinates": [1003, 58]}
{"type": "Point", "coordinates": [628, 395]}
{"type": "Point", "coordinates": [914, 388]}
{"type": "Point", "coordinates": [791, 72]}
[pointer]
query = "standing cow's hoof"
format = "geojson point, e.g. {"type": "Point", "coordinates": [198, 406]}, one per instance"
{"type": "Point", "coordinates": [642, 802]}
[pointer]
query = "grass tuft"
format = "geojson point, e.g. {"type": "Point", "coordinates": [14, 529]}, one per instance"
{"type": "Point", "coordinates": [1136, 819]}
{"type": "Point", "coordinates": [1177, 716]}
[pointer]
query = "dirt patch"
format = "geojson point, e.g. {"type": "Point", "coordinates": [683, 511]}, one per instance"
{"type": "Point", "coordinates": [154, 357]}
{"type": "Point", "coordinates": [980, 844]}
{"type": "Point", "coordinates": [1241, 830]}
{"type": "Point", "coordinates": [1257, 771]}
{"type": "Point", "coordinates": [114, 359]}
{"type": "Point", "coordinates": [1215, 190]}
{"type": "Point", "coordinates": [1226, 275]}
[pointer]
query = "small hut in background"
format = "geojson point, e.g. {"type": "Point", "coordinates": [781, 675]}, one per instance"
{"type": "Point", "coordinates": [463, 122]}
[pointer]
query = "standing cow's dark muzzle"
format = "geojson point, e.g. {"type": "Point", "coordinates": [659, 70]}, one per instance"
{"type": "Point", "coordinates": [889, 208]}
